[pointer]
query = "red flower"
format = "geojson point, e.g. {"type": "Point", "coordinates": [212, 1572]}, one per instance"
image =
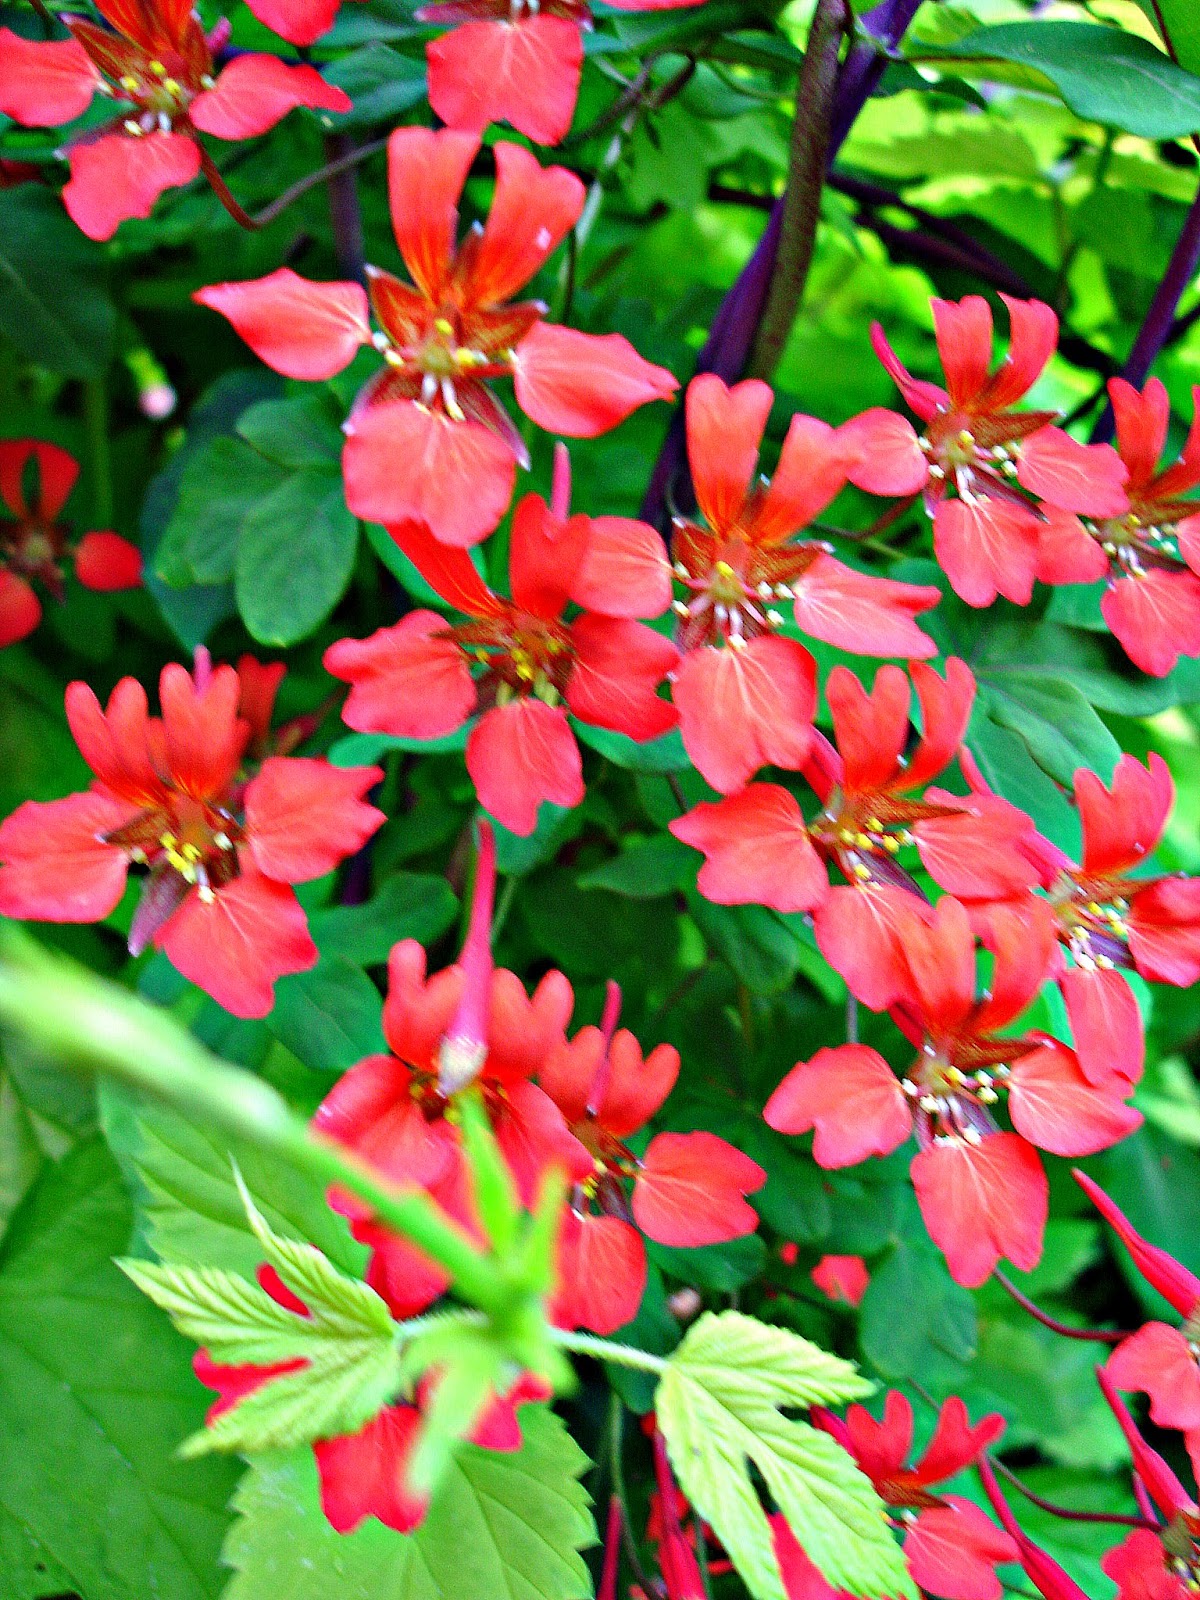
{"type": "Point", "coordinates": [468, 1024]}
{"type": "Point", "coordinates": [688, 1188]}
{"type": "Point", "coordinates": [1162, 1361]}
{"type": "Point", "coordinates": [746, 695]}
{"type": "Point", "coordinates": [1044, 1572]}
{"type": "Point", "coordinates": [1107, 918]}
{"type": "Point", "coordinates": [36, 480]}
{"type": "Point", "coordinates": [427, 440]}
{"type": "Point", "coordinates": [982, 1192]}
{"type": "Point", "coordinates": [950, 1547]}
{"type": "Point", "coordinates": [842, 1278]}
{"type": "Point", "coordinates": [298, 21]}
{"type": "Point", "coordinates": [985, 531]}
{"type": "Point", "coordinates": [1164, 1565]}
{"type": "Point", "coordinates": [364, 1474]}
{"type": "Point", "coordinates": [172, 794]}
{"type": "Point", "coordinates": [158, 66]}
{"type": "Point", "coordinates": [415, 679]}
{"type": "Point", "coordinates": [1152, 601]}
{"type": "Point", "coordinates": [760, 848]}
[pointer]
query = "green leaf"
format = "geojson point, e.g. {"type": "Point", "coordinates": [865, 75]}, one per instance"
{"type": "Point", "coordinates": [499, 1525]}
{"type": "Point", "coordinates": [330, 1016]}
{"type": "Point", "coordinates": [296, 433]}
{"type": "Point", "coordinates": [665, 754]}
{"type": "Point", "coordinates": [410, 905]}
{"type": "Point", "coordinates": [1156, 1182]}
{"type": "Point", "coordinates": [96, 1393]}
{"type": "Point", "coordinates": [1104, 74]}
{"type": "Point", "coordinates": [756, 942]}
{"type": "Point", "coordinates": [347, 1341]}
{"type": "Point", "coordinates": [1058, 726]}
{"type": "Point", "coordinates": [913, 1312]}
{"type": "Point", "coordinates": [44, 1112]}
{"type": "Point", "coordinates": [647, 868]}
{"type": "Point", "coordinates": [221, 485]}
{"type": "Point", "coordinates": [53, 302]}
{"type": "Point", "coordinates": [723, 1267]}
{"type": "Point", "coordinates": [719, 1406]}
{"type": "Point", "coordinates": [295, 556]}
{"type": "Point", "coordinates": [382, 83]}
{"type": "Point", "coordinates": [1179, 23]}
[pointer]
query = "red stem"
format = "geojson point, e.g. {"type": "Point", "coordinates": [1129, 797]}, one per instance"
{"type": "Point", "coordinates": [1096, 1335]}
{"type": "Point", "coordinates": [1065, 1512]}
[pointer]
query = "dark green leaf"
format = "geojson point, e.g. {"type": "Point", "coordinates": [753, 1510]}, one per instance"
{"type": "Point", "coordinates": [410, 905]}
{"type": "Point", "coordinates": [649, 867]}
{"type": "Point", "coordinates": [329, 1017]}
{"type": "Point", "coordinates": [54, 305]}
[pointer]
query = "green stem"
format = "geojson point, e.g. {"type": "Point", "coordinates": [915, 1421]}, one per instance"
{"type": "Point", "coordinates": [621, 1355]}
{"type": "Point", "coordinates": [90, 1023]}
{"type": "Point", "coordinates": [95, 406]}
{"type": "Point", "coordinates": [616, 1435]}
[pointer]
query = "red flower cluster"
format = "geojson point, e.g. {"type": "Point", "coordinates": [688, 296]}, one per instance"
{"type": "Point", "coordinates": [224, 826]}
{"type": "Point", "coordinates": [427, 440]}
{"type": "Point", "coordinates": [155, 61]}
{"type": "Point", "coordinates": [417, 679]}
{"type": "Point", "coordinates": [36, 480]}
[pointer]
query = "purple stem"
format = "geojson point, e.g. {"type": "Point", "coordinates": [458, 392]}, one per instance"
{"type": "Point", "coordinates": [344, 210]}
{"type": "Point", "coordinates": [1160, 318]}
{"type": "Point", "coordinates": [727, 348]}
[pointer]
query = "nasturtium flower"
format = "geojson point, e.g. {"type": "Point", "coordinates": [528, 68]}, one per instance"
{"type": "Point", "coordinates": [1147, 554]}
{"type": "Point", "coordinates": [521, 662]}
{"type": "Point", "coordinates": [951, 1548]}
{"type": "Point", "coordinates": [687, 1189]}
{"type": "Point", "coordinates": [982, 1191]}
{"type": "Point", "coordinates": [223, 845]}
{"type": "Point", "coordinates": [981, 465]}
{"type": "Point", "coordinates": [760, 849]}
{"type": "Point", "coordinates": [36, 480]}
{"type": "Point", "coordinates": [427, 440]}
{"type": "Point", "coordinates": [843, 1278]}
{"type": "Point", "coordinates": [1047, 1577]}
{"type": "Point", "coordinates": [156, 64]}
{"type": "Point", "coordinates": [746, 692]}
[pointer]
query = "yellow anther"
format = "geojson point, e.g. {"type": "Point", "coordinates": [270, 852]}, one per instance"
{"type": "Point", "coordinates": [157, 68]}
{"type": "Point", "coordinates": [129, 82]}
{"type": "Point", "coordinates": [892, 846]}
{"type": "Point", "coordinates": [863, 841]}
{"type": "Point", "coordinates": [724, 570]}
{"type": "Point", "coordinates": [443, 326]}
{"type": "Point", "coordinates": [168, 841]}
{"type": "Point", "coordinates": [873, 825]}
{"type": "Point", "coordinates": [1095, 908]}
{"type": "Point", "coordinates": [846, 835]}
{"type": "Point", "coordinates": [861, 870]}
{"type": "Point", "coordinates": [171, 86]}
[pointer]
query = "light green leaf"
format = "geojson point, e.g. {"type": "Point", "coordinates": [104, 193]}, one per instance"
{"type": "Point", "coordinates": [295, 556]}
{"type": "Point", "coordinates": [1179, 21]}
{"type": "Point", "coordinates": [665, 754]}
{"type": "Point", "coordinates": [1058, 726]}
{"type": "Point", "coordinates": [300, 432]}
{"type": "Point", "coordinates": [719, 1407]}
{"type": "Point", "coordinates": [506, 1526]}
{"type": "Point", "coordinates": [96, 1391]}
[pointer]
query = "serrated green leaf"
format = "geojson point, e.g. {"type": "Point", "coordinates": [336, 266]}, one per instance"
{"type": "Point", "coordinates": [719, 1406]}
{"type": "Point", "coordinates": [499, 1525]}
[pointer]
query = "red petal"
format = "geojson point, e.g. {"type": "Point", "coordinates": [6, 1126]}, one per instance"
{"type": "Point", "coordinates": [1106, 1025]}
{"type": "Point", "coordinates": [1122, 825]}
{"type": "Point", "coordinates": [953, 1550]}
{"type": "Point", "coordinates": [426, 173]}
{"type": "Point", "coordinates": [881, 1448]}
{"type": "Point", "coordinates": [945, 712]}
{"type": "Point", "coordinates": [55, 867]}
{"type": "Point", "coordinates": [254, 92]}
{"type": "Point", "coordinates": [43, 84]}
{"type": "Point", "coordinates": [871, 730]}
{"type": "Point", "coordinates": [941, 963]}
{"type": "Point", "coordinates": [1034, 339]}
{"type": "Point", "coordinates": [304, 817]}
{"type": "Point", "coordinates": [634, 1088]}
{"type": "Point", "coordinates": [744, 709]}
{"type": "Point", "coordinates": [105, 561]}
{"type": "Point", "coordinates": [410, 680]}
{"type": "Point", "coordinates": [955, 1443]}
{"type": "Point", "coordinates": [364, 1474]}
{"type": "Point", "coordinates": [1158, 1360]}
{"type": "Point", "coordinates": [926, 399]}
{"type": "Point", "coordinates": [619, 666]}
{"type": "Point", "coordinates": [601, 1274]}
{"type": "Point", "coordinates": [20, 609]}
{"type": "Point", "coordinates": [448, 569]}
{"type": "Point", "coordinates": [802, 1580]}
{"type": "Point", "coordinates": [853, 1100]}
{"type": "Point", "coordinates": [119, 176]}
{"type": "Point", "coordinates": [114, 743]}
{"type": "Point", "coordinates": [202, 732]}
{"type": "Point", "coordinates": [862, 932]}
{"type": "Point", "coordinates": [883, 454]}
{"type": "Point", "coordinates": [690, 1187]}
{"type": "Point", "coordinates": [842, 1278]}
{"type": "Point", "coordinates": [582, 384]}
{"type": "Point", "coordinates": [297, 21]}
{"type": "Point", "coordinates": [625, 571]}
{"type": "Point", "coordinates": [1141, 422]}
{"type": "Point", "coordinates": [235, 947]}
{"type": "Point", "coordinates": [757, 850]}
{"type": "Point", "coordinates": [964, 340]}
{"type": "Point", "coordinates": [302, 329]}
{"type": "Point", "coordinates": [519, 755]}
{"type": "Point", "coordinates": [1164, 932]}
{"type": "Point", "coordinates": [1085, 478]}
{"type": "Point", "coordinates": [1067, 553]}
{"type": "Point", "coordinates": [1138, 1567]}
{"type": "Point", "coordinates": [1054, 1106]}
{"type": "Point", "coordinates": [1156, 616]}
{"type": "Point", "coordinates": [811, 472]}
{"type": "Point", "coordinates": [981, 852]}
{"type": "Point", "coordinates": [523, 1031]}
{"type": "Point", "coordinates": [981, 1202]}
{"type": "Point", "coordinates": [1024, 945]}
{"type": "Point", "coordinates": [533, 209]}
{"type": "Point", "coordinates": [1172, 1280]}
{"type": "Point", "coordinates": [865, 614]}
{"type": "Point", "coordinates": [724, 431]}
{"type": "Point", "coordinates": [405, 463]}
{"type": "Point", "coordinates": [544, 556]}
{"type": "Point", "coordinates": [533, 1138]}
{"type": "Point", "coordinates": [235, 1383]}
{"type": "Point", "coordinates": [55, 476]}
{"type": "Point", "coordinates": [526, 73]}
{"type": "Point", "coordinates": [987, 548]}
